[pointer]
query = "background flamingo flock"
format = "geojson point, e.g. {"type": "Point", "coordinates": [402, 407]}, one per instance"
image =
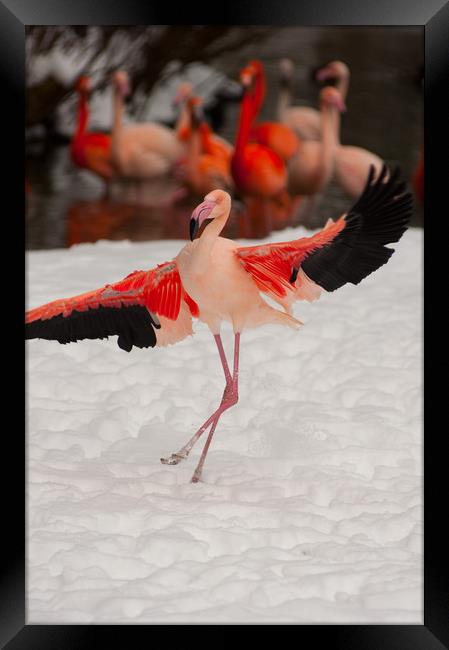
{"type": "Point", "coordinates": [271, 166]}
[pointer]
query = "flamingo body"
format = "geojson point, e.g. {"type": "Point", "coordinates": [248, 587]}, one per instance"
{"type": "Point", "coordinates": [259, 171]}
{"type": "Point", "coordinates": [145, 150]}
{"type": "Point", "coordinates": [278, 137]}
{"type": "Point", "coordinates": [93, 151]}
{"type": "Point", "coordinates": [304, 121]}
{"type": "Point", "coordinates": [140, 151]}
{"type": "Point", "coordinates": [352, 165]}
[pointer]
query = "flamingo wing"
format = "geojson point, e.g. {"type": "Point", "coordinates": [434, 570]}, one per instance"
{"type": "Point", "coordinates": [133, 308]}
{"type": "Point", "coordinates": [344, 251]}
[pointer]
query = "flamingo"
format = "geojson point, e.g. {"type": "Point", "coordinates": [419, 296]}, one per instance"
{"type": "Point", "coordinates": [278, 137]}
{"type": "Point", "coordinates": [259, 172]}
{"type": "Point", "coordinates": [318, 162]}
{"type": "Point", "coordinates": [303, 120]}
{"type": "Point", "coordinates": [312, 168]}
{"type": "Point", "coordinates": [140, 151]}
{"type": "Point", "coordinates": [206, 165]}
{"type": "Point", "coordinates": [215, 280]}
{"type": "Point", "coordinates": [212, 143]}
{"type": "Point", "coordinates": [90, 150]}
{"type": "Point", "coordinates": [351, 163]}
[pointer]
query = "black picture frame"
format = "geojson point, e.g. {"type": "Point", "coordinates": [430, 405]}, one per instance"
{"type": "Point", "coordinates": [433, 634]}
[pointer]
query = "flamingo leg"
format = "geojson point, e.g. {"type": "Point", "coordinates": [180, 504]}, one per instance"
{"type": "Point", "coordinates": [230, 398]}
{"type": "Point", "coordinates": [176, 458]}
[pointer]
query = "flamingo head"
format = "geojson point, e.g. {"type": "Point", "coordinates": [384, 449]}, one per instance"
{"type": "Point", "coordinates": [185, 90]}
{"type": "Point", "coordinates": [120, 79]}
{"type": "Point", "coordinates": [330, 96]}
{"type": "Point", "coordinates": [333, 70]}
{"type": "Point", "coordinates": [286, 70]}
{"type": "Point", "coordinates": [250, 73]}
{"type": "Point", "coordinates": [83, 85]}
{"type": "Point", "coordinates": [216, 204]}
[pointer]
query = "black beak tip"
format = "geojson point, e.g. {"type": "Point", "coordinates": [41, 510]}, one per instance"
{"type": "Point", "coordinates": [193, 228]}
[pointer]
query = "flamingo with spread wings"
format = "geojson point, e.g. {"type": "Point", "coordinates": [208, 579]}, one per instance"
{"type": "Point", "coordinates": [215, 280]}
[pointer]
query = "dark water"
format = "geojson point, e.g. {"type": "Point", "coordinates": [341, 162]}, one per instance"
{"type": "Point", "coordinates": [385, 115]}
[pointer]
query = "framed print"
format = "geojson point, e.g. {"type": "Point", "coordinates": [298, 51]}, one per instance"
{"type": "Point", "coordinates": [144, 140]}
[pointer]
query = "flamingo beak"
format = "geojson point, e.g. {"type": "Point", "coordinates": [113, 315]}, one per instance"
{"type": "Point", "coordinates": [194, 227]}
{"type": "Point", "coordinates": [199, 216]}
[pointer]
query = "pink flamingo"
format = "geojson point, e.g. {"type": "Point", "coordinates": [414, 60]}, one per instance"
{"type": "Point", "coordinates": [351, 163]}
{"type": "Point", "coordinates": [206, 166]}
{"type": "Point", "coordinates": [214, 279]}
{"type": "Point", "coordinates": [213, 144]}
{"type": "Point", "coordinates": [351, 167]}
{"type": "Point", "coordinates": [312, 168]}
{"type": "Point", "coordinates": [306, 121]}
{"type": "Point", "coordinates": [140, 151]}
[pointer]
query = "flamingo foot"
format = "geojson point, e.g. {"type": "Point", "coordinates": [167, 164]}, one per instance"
{"type": "Point", "coordinates": [178, 456]}
{"type": "Point", "coordinates": [229, 399]}
{"type": "Point", "coordinates": [174, 459]}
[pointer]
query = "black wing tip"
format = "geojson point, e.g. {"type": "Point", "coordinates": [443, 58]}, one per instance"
{"type": "Point", "coordinates": [134, 325]}
{"type": "Point", "coordinates": [380, 216]}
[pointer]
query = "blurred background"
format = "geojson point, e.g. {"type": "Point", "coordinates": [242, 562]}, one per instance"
{"type": "Point", "coordinates": [68, 204]}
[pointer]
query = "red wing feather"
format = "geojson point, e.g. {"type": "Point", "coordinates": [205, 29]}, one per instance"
{"type": "Point", "coordinates": [271, 265]}
{"type": "Point", "coordinates": [127, 308]}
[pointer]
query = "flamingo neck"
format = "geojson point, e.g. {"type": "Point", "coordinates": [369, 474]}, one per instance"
{"type": "Point", "coordinates": [206, 137]}
{"type": "Point", "coordinates": [184, 124]}
{"type": "Point", "coordinates": [83, 114]}
{"type": "Point", "coordinates": [251, 105]}
{"type": "Point", "coordinates": [284, 99]}
{"type": "Point", "coordinates": [117, 120]}
{"type": "Point", "coordinates": [343, 84]}
{"type": "Point", "coordinates": [193, 155]}
{"type": "Point", "coordinates": [330, 121]}
{"type": "Point", "coordinates": [203, 250]}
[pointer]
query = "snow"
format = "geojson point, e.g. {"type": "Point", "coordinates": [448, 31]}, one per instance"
{"type": "Point", "coordinates": [311, 505]}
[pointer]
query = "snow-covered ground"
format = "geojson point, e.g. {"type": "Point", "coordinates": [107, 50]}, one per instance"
{"type": "Point", "coordinates": [311, 505]}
